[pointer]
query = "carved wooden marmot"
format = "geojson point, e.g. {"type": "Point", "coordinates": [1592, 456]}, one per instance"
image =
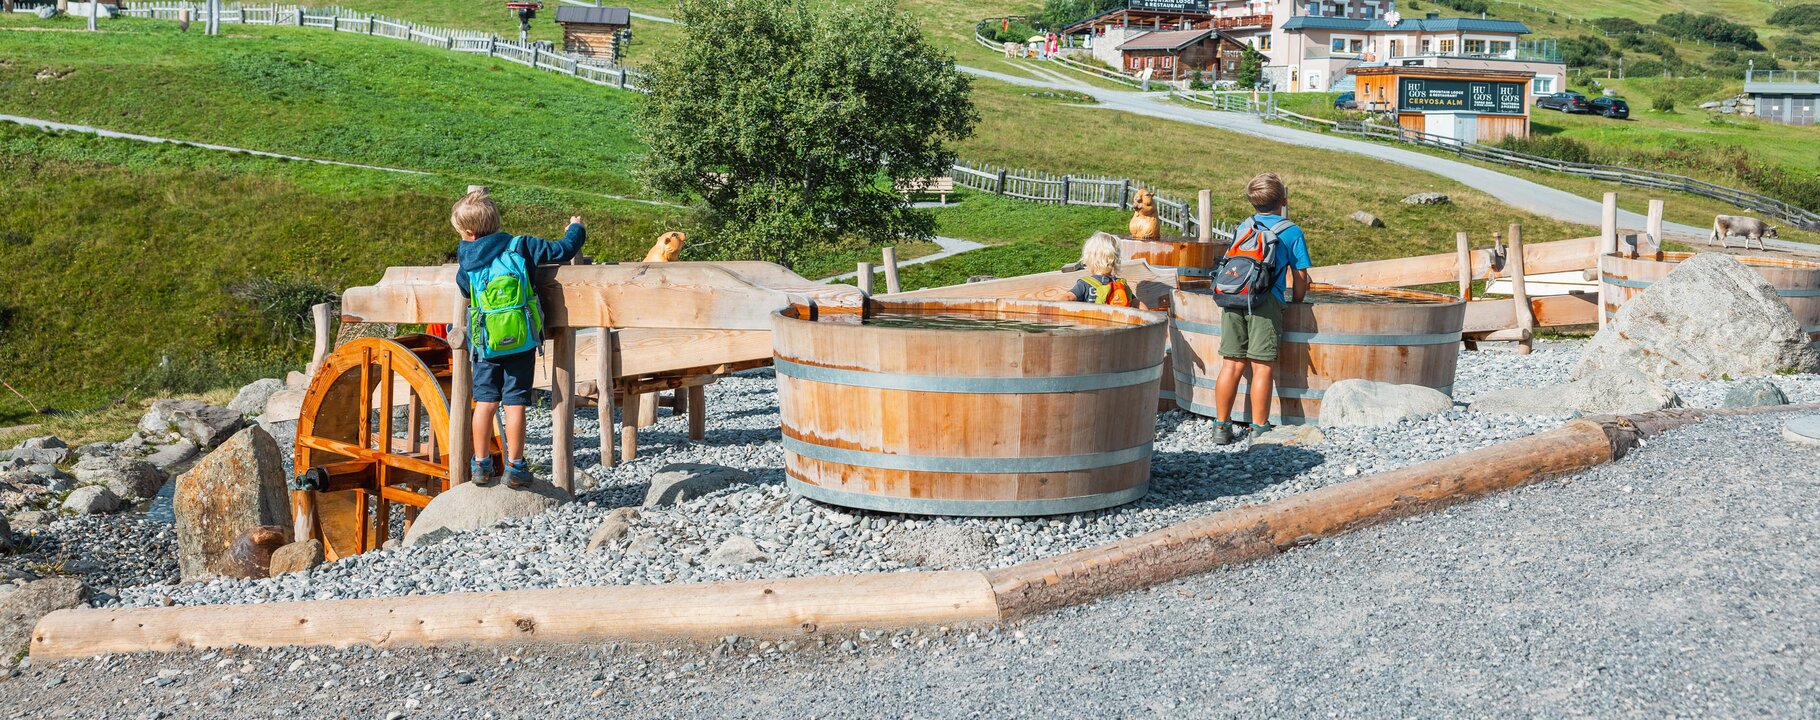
{"type": "Point", "coordinates": [668, 247]}
{"type": "Point", "coordinates": [1144, 225]}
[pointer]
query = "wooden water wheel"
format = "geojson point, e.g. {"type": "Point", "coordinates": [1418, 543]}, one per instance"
{"type": "Point", "coordinates": [354, 458]}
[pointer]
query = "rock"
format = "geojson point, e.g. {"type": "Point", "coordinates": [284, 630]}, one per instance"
{"type": "Point", "coordinates": [91, 500]}
{"type": "Point", "coordinates": [1291, 435]}
{"type": "Point", "coordinates": [471, 506]}
{"type": "Point", "coordinates": [32, 520]}
{"type": "Point", "coordinates": [6, 537]}
{"type": "Point", "coordinates": [283, 405]}
{"type": "Point", "coordinates": [129, 479]}
{"type": "Point", "coordinates": [1366, 219]}
{"type": "Point", "coordinates": [96, 448]}
{"type": "Point", "coordinates": [196, 421]}
{"type": "Point", "coordinates": [677, 483]}
{"type": "Point", "coordinates": [737, 550]}
{"type": "Point", "coordinates": [1729, 102]}
{"type": "Point", "coordinates": [1427, 198]}
{"type": "Point", "coordinates": [1754, 392]}
{"type": "Point", "coordinates": [251, 399]}
{"type": "Point", "coordinates": [47, 442]}
{"type": "Point", "coordinates": [943, 547]}
{"type": "Point", "coordinates": [1358, 403]}
{"type": "Point", "coordinates": [240, 485]}
{"type": "Point", "coordinates": [294, 380]}
{"type": "Point", "coordinates": [1619, 391]}
{"type": "Point", "coordinates": [1728, 110]}
{"type": "Point", "coordinates": [296, 557]}
{"type": "Point", "coordinates": [1709, 105]}
{"type": "Point", "coordinates": [45, 12]}
{"type": "Point", "coordinates": [23, 456]}
{"type": "Point", "coordinates": [617, 524]}
{"type": "Point", "coordinates": [22, 609]}
{"type": "Point", "coordinates": [1709, 317]}
{"type": "Point", "coordinates": [168, 455]}
{"type": "Point", "coordinates": [250, 554]}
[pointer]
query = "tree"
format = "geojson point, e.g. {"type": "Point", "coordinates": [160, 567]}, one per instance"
{"type": "Point", "coordinates": [780, 118]}
{"type": "Point", "coordinates": [1251, 68]}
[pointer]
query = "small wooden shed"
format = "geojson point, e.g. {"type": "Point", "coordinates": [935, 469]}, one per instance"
{"type": "Point", "coordinates": [1465, 105]}
{"type": "Point", "coordinates": [592, 31]}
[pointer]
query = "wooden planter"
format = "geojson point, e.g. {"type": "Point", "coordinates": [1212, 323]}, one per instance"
{"type": "Point", "coordinates": [969, 422]}
{"type": "Point", "coordinates": [1417, 343]}
{"type": "Point", "coordinates": [1193, 262]}
{"type": "Point", "coordinates": [1622, 277]}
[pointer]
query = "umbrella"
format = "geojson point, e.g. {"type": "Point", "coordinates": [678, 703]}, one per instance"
{"type": "Point", "coordinates": [1037, 38]}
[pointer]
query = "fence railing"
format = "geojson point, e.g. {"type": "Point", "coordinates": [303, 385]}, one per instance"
{"type": "Point", "coordinates": [1786, 212]}
{"type": "Point", "coordinates": [1781, 76]}
{"type": "Point", "coordinates": [535, 54]}
{"type": "Point", "coordinates": [1090, 190]}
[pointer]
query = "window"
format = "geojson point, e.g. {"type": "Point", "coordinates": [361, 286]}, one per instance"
{"type": "Point", "coordinates": [1542, 85]}
{"type": "Point", "coordinates": [1314, 8]}
{"type": "Point", "coordinates": [1475, 47]}
{"type": "Point", "coordinates": [1168, 62]}
{"type": "Point", "coordinates": [1357, 46]}
{"type": "Point", "coordinates": [1428, 46]}
{"type": "Point", "coordinates": [1371, 12]}
{"type": "Point", "coordinates": [1446, 47]}
{"type": "Point", "coordinates": [1498, 47]}
{"type": "Point", "coordinates": [1263, 43]}
{"type": "Point", "coordinates": [1339, 45]}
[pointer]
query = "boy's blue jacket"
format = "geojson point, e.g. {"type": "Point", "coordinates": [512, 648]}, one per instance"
{"type": "Point", "coordinates": [479, 254]}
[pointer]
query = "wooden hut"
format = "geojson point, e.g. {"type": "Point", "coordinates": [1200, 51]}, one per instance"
{"type": "Point", "coordinates": [1465, 105]}
{"type": "Point", "coordinates": [592, 31]}
{"type": "Point", "coordinates": [1177, 55]}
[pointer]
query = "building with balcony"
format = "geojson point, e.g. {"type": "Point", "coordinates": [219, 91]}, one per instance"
{"type": "Point", "coordinates": [1319, 49]}
{"type": "Point", "coordinates": [1182, 55]}
{"type": "Point", "coordinates": [1791, 97]}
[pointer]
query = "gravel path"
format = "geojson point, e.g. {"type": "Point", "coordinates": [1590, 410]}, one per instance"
{"type": "Point", "coordinates": [1680, 581]}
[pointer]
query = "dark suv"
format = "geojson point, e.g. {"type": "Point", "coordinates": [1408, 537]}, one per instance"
{"type": "Point", "coordinates": [1567, 102]}
{"type": "Point", "coordinates": [1611, 107]}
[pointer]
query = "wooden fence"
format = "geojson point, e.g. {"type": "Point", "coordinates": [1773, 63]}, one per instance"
{"type": "Point", "coordinates": [1090, 190]}
{"type": "Point", "coordinates": [1786, 212]}
{"type": "Point", "coordinates": [539, 55]}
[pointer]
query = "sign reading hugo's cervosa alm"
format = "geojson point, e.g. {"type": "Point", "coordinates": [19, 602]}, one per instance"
{"type": "Point", "coordinates": [1182, 6]}
{"type": "Point", "coordinates": [1483, 96]}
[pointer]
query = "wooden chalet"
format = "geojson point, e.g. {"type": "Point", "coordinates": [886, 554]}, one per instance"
{"type": "Point", "coordinates": [1465, 105]}
{"type": "Point", "coordinates": [1179, 54]}
{"type": "Point", "coordinates": [592, 31]}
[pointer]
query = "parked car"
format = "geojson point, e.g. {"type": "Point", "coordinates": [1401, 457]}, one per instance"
{"type": "Point", "coordinates": [1567, 102]}
{"type": "Point", "coordinates": [1611, 107]}
{"type": "Point", "coordinates": [1346, 101]}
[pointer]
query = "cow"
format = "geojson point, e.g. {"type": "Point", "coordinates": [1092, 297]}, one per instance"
{"type": "Point", "coordinates": [1749, 228]}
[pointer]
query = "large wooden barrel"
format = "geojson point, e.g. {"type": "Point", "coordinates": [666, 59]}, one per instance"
{"type": "Point", "coordinates": [1193, 262]}
{"type": "Point", "coordinates": [1798, 282]}
{"type": "Point", "coordinates": [989, 422]}
{"type": "Point", "coordinates": [1406, 337]}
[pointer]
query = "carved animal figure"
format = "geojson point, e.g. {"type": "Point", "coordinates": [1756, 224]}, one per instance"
{"type": "Point", "coordinates": [1144, 225]}
{"type": "Point", "coordinates": [668, 246]}
{"type": "Point", "coordinates": [1749, 228]}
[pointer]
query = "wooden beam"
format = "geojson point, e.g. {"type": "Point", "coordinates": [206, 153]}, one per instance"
{"type": "Point", "coordinates": [562, 414]}
{"type": "Point", "coordinates": [863, 276]}
{"type": "Point", "coordinates": [1463, 255]}
{"type": "Point", "coordinates": [773, 608]}
{"type": "Point", "coordinates": [1151, 285]}
{"type": "Point", "coordinates": [698, 410]}
{"type": "Point", "coordinates": [603, 368]}
{"type": "Point", "coordinates": [1557, 256]}
{"type": "Point", "coordinates": [320, 322]}
{"type": "Point", "coordinates": [1526, 319]}
{"type": "Point", "coordinates": [890, 265]}
{"type": "Point", "coordinates": [1653, 227]}
{"type": "Point", "coordinates": [628, 427]}
{"type": "Point", "coordinates": [461, 398]}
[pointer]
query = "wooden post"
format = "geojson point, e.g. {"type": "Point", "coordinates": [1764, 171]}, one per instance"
{"type": "Point", "coordinates": [1066, 183]}
{"type": "Point", "coordinates": [647, 409]}
{"type": "Point", "coordinates": [319, 318]}
{"type": "Point", "coordinates": [1526, 318]}
{"type": "Point", "coordinates": [461, 398]}
{"type": "Point", "coordinates": [603, 370]}
{"type": "Point", "coordinates": [628, 428]}
{"type": "Point", "coordinates": [1124, 194]}
{"type": "Point", "coordinates": [562, 419]}
{"type": "Point", "coordinates": [1203, 215]}
{"type": "Point", "coordinates": [891, 285]}
{"type": "Point", "coordinates": [1001, 182]}
{"type": "Point", "coordinates": [698, 411]}
{"type": "Point", "coordinates": [482, 189]}
{"type": "Point", "coordinates": [1608, 224]}
{"type": "Point", "coordinates": [1653, 227]}
{"type": "Point", "coordinates": [865, 279]}
{"type": "Point", "coordinates": [1465, 249]}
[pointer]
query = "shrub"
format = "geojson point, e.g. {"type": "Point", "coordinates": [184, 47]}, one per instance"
{"type": "Point", "coordinates": [1642, 68]}
{"type": "Point", "coordinates": [282, 306]}
{"type": "Point", "coordinates": [1586, 51]}
{"type": "Point", "coordinates": [1057, 13]}
{"type": "Point", "coordinates": [1708, 27]}
{"type": "Point", "coordinates": [1467, 6]}
{"type": "Point", "coordinates": [1618, 26]}
{"type": "Point", "coordinates": [1805, 16]}
{"type": "Point", "coordinates": [1549, 146]}
{"type": "Point", "coordinates": [1662, 103]}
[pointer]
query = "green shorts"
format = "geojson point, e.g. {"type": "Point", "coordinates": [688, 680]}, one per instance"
{"type": "Point", "coordinates": [1252, 335]}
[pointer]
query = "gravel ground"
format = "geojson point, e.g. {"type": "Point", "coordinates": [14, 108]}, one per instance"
{"type": "Point", "coordinates": [1680, 581]}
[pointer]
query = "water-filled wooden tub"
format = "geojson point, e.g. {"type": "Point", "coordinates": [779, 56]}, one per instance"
{"type": "Point", "coordinates": [1193, 262]}
{"type": "Point", "coordinates": [969, 407]}
{"type": "Point", "coordinates": [1406, 337]}
{"type": "Point", "coordinates": [1798, 282]}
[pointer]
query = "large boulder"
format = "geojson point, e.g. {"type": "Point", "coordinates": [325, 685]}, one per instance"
{"type": "Point", "coordinates": [237, 487]}
{"type": "Point", "coordinates": [22, 608]}
{"type": "Point", "coordinates": [129, 479]}
{"type": "Point", "coordinates": [1356, 403]}
{"type": "Point", "coordinates": [251, 399]}
{"type": "Point", "coordinates": [1613, 391]}
{"type": "Point", "coordinates": [1708, 318]}
{"type": "Point", "coordinates": [472, 506]}
{"type": "Point", "coordinates": [173, 454]}
{"type": "Point", "coordinates": [194, 420]}
{"type": "Point", "coordinates": [677, 483]}
{"type": "Point", "coordinates": [1754, 392]}
{"type": "Point", "coordinates": [91, 500]}
{"type": "Point", "coordinates": [22, 456]}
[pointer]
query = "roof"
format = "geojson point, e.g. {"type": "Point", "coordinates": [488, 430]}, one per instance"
{"type": "Point", "coordinates": [1090, 21]}
{"type": "Point", "coordinates": [1173, 39]}
{"type": "Point", "coordinates": [594, 15]}
{"type": "Point", "coordinates": [1313, 22]}
{"type": "Point", "coordinates": [1435, 72]}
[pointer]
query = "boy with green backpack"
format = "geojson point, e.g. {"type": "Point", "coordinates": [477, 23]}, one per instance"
{"type": "Point", "coordinates": [505, 323]}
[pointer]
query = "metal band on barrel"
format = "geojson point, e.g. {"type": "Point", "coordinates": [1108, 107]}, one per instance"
{"type": "Point", "coordinates": [1331, 338]}
{"type": "Point", "coordinates": [1280, 391]}
{"type": "Point", "coordinates": [1640, 285]}
{"type": "Point", "coordinates": [971, 385]}
{"type": "Point", "coordinates": [981, 465]}
{"type": "Point", "coordinates": [973, 508]}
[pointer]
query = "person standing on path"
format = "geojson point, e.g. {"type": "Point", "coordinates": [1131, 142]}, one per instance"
{"type": "Point", "coordinates": [1251, 334]}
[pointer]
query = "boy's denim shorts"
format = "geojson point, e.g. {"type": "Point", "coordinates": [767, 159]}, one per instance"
{"type": "Point", "coordinates": [505, 380]}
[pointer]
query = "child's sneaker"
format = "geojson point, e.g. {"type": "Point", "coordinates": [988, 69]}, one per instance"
{"type": "Point", "coordinates": [1257, 430]}
{"type": "Point", "coordinates": [1222, 433]}
{"type": "Point", "coordinates": [518, 474]}
{"type": "Point", "coordinates": [480, 471]}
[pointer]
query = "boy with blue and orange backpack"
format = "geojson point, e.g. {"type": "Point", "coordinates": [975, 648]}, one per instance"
{"type": "Point", "coordinates": [1251, 285]}
{"type": "Point", "coordinates": [505, 323]}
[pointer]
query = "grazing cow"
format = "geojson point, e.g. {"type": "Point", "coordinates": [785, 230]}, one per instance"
{"type": "Point", "coordinates": [1749, 228]}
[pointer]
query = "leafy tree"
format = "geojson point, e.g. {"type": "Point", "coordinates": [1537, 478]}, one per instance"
{"type": "Point", "coordinates": [1618, 26]}
{"type": "Point", "coordinates": [1057, 13]}
{"type": "Point", "coordinates": [1586, 51]}
{"type": "Point", "coordinates": [781, 117]}
{"type": "Point", "coordinates": [1251, 68]}
{"type": "Point", "coordinates": [1801, 17]}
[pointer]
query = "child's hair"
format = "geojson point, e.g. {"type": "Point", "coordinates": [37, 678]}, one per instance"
{"type": "Point", "coordinates": [1266, 192]}
{"type": "Point", "coordinates": [1101, 254]}
{"type": "Point", "coordinates": [475, 213]}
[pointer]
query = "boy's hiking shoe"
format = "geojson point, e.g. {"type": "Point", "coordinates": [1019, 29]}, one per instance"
{"type": "Point", "coordinates": [1222, 433]}
{"type": "Point", "coordinates": [518, 475]}
{"type": "Point", "coordinates": [1256, 430]}
{"type": "Point", "coordinates": [480, 470]}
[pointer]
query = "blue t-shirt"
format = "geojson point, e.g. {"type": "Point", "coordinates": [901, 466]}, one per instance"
{"type": "Point", "coordinates": [1292, 252]}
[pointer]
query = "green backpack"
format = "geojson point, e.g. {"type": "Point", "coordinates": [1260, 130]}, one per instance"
{"type": "Point", "coordinates": [504, 317]}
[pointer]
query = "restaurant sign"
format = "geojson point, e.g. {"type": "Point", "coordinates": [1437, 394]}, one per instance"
{"type": "Point", "coordinates": [1181, 6]}
{"type": "Point", "coordinates": [1498, 98]}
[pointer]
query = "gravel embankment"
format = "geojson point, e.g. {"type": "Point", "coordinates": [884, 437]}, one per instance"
{"type": "Point", "coordinates": [1680, 581]}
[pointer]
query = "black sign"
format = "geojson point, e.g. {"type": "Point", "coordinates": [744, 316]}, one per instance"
{"type": "Point", "coordinates": [1181, 6]}
{"type": "Point", "coordinates": [1497, 98]}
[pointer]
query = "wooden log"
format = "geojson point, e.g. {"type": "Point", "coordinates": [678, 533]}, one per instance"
{"type": "Point", "coordinates": [756, 608]}
{"type": "Point", "coordinates": [1463, 252]}
{"type": "Point", "coordinates": [562, 417]}
{"type": "Point", "coordinates": [698, 411]}
{"type": "Point", "coordinates": [1557, 256]}
{"type": "Point", "coordinates": [1608, 242]}
{"type": "Point", "coordinates": [1151, 285]}
{"type": "Point", "coordinates": [325, 339]}
{"type": "Point", "coordinates": [1653, 227]}
{"type": "Point", "coordinates": [461, 399]}
{"type": "Point", "coordinates": [1519, 297]}
{"type": "Point", "coordinates": [647, 409]}
{"type": "Point", "coordinates": [864, 278]}
{"type": "Point", "coordinates": [628, 427]}
{"type": "Point", "coordinates": [891, 283]}
{"type": "Point", "coordinates": [1203, 215]}
{"type": "Point", "coordinates": [604, 372]}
